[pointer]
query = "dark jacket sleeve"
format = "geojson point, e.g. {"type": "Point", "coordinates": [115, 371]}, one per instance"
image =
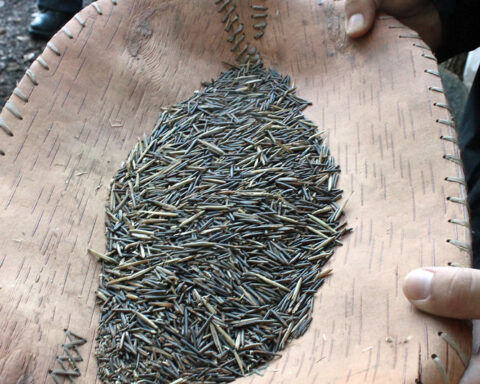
{"type": "Point", "coordinates": [460, 26]}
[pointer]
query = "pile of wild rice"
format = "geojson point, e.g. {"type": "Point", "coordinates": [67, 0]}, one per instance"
{"type": "Point", "coordinates": [218, 226]}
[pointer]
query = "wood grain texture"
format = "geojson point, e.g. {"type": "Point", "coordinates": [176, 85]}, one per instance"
{"type": "Point", "coordinates": [372, 97]}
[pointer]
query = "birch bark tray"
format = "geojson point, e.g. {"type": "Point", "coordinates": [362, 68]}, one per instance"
{"type": "Point", "coordinates": [101, 83]}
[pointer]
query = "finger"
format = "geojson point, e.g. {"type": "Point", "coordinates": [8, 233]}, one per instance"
{"type": "Point", "coordinates": [360, 15]}
{"type": "Point", "coordinates": [445, 291]}
{"type": "Point", "coordinates": [472, 374]}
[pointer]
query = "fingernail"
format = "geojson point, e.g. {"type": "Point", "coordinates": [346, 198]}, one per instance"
{"type": "Point", "coordinates": [417, 284]}
{"type": "Point", "coordinates": [355, 24]}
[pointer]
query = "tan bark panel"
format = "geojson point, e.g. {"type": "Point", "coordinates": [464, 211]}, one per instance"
{"type": "Point", "coordinates": [105, 89]}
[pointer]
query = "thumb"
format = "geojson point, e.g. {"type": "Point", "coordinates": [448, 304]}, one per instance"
{"type": "Point", "coordinates": [360, 15]}
{"type": "Point", "coordinates": [445, 291]}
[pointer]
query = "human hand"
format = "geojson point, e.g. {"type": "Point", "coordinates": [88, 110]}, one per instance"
{"type": "Point", "coordinates": [450, 292]}
{"type": "Point", "coordinates": [420, 15]}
